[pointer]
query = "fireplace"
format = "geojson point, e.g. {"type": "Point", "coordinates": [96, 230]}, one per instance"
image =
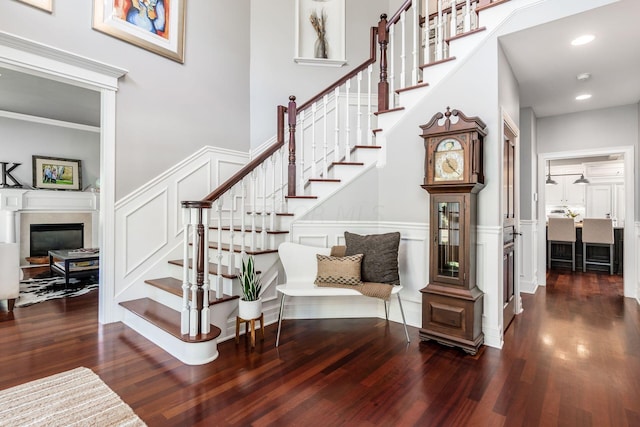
{"type": "Point", "coordinates": [46, 237]}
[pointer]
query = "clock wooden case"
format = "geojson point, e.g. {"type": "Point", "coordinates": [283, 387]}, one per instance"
{"type": "Point", "coordinates": [451, 302]}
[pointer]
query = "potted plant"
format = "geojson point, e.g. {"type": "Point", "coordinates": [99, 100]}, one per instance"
{"type": "Point", "coordinates": [250, 305]}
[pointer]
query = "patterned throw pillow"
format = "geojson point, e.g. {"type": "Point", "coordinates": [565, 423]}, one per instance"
{"type": "Point", "coordinates": [339, 270]}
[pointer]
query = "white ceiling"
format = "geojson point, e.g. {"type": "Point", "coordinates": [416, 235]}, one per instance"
{"type": "Point", "coordinates": [546, 65]}
{"type": "Point", "coordinates": [542, 59]}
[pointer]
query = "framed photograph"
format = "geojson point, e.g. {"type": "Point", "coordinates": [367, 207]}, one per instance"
{"type": "Point", "coordinates": [320, 32]}
{"type": "Point", "coordinates": [155, 25]}
{"type": "Point", "coordinates": [57, 174]}
{"type": "Point", "coordinates": [46, 5]}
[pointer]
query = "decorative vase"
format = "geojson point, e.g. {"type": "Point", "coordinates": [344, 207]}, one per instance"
{"type": "Point", "coordinates": [321, 48]}
{"type": "Point", "coordinates": [248, 310]}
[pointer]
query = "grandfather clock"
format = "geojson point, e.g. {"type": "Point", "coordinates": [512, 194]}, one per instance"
{"type": "Point", "coordinates": [451, 302]}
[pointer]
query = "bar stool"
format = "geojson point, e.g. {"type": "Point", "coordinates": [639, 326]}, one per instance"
{"type": "Point", "coordinates": [597, 232]}
{"type": "Point", "coordinates": [561, 231]}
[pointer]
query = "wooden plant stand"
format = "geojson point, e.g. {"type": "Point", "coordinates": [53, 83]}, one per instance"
{"type": "Point", "coordinates": [251, 325]}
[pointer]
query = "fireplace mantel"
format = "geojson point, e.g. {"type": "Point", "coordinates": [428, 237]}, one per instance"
{"type": "Point", "coordinates": [16, 200]}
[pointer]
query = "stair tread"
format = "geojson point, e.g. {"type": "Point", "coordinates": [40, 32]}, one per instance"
{"type": "Point", "coordinates": [301, 197]}
{"type": "Point", "coordinates": [213, 268]}
{"type": "Point", "coordinates": [390, 110]}
{"type": "Point", "coordinates": [377, 130]}
{"type": "Point", "coordinates": [468, 33]}
{"type": "Point", "coordinates": [174, 286]}
{"type": "Point", "coordinates": [434, 63]}
{"type": "Point", "coordinates": [277, 213]}
{"type": "Point", "coordinates": [419, 85]}
{"type": "Point", "coordinates": [373, 147]}
{"type": "Point", "coordinates": [347, 163]}
{"type": "Point", "coordinates": [166, 319]}
{"type": "Point", "coordinates": [323, 180]}
{"type": "Point", "coordinates": [248, 229]}
{"type": "Point", "coordinates": [238, 249]}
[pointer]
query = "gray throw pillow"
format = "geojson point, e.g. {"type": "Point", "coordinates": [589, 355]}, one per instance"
{"type": "Point", "coordinates": [380, 261]}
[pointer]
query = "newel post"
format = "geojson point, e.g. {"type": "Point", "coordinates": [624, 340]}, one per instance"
{"type": "Point", "coordinates": [291, 115]}
{"type": "Point", "coordinates": [383, 85]}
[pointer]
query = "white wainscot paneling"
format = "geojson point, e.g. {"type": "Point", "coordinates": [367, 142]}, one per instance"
{"type": "Point", "coordinates": [489, 276]}
{"type": "Point", "coordinates": [149, 219]}
{"type": "Point", "coordinates": [527, 257]}
{"type": "Point", "coordinates": [225, 169]}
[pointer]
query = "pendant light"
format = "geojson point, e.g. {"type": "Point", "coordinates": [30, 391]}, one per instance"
{"type": "Point", "coordinates": [549, 180]}
{"type": "Point", "coordinates": [581, 180]}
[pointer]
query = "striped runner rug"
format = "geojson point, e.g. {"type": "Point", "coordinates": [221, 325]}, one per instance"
{"type": "Point", "coordinates": [73, 398]}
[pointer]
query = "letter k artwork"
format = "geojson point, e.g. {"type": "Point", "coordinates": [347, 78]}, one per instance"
{"type": "Point", "coordinates": [6, 173]}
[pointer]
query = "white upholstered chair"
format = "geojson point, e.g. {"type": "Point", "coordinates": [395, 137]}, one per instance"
{"type": "Point", "coordinates": [9, 272]}
{"type": "Point", "coordinates": [561, 231]}
{"type": "Point", "coordinates": [597, 232]}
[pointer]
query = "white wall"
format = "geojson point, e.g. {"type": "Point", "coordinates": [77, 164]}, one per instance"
{"type": "Point", "coordinates": [274, 74]}
{"type": "Point", "coordinates": [23, 139]}
{"type": "Point", "coordinates": [528, 164]}
{"type": "Point", "coordinates": [165, 110]}
{"type": "Point", "coordinates": [616, 126]}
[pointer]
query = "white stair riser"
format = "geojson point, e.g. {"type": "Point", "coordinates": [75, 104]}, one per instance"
{"type": "Point", "coordinates": [463, 46]}
{"type": "Point", "coordinates": [321, 189]}
{"type": "Point", "coordinates": [280, 222]}
{"type": "Point", "coordinates": [273, 239]}
{"type": "Point", "coordinates": [367, 155]}
{"type": "Point", "coordinates": [345, 172]}
{"type": "Point", "coordinates": [409, 98]}
{"type": "Point", "coordinates": [228, 286]}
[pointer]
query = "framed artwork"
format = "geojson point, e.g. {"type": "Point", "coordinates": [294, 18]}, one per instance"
{"type": "Point", "coordinates": [155, 25]}
{"type": "Point", "coordinates": [55, 173]}
{"type": "Point", "coordinates": [320, 32]}
{"type": "Point", "coordinates": [46, 5]}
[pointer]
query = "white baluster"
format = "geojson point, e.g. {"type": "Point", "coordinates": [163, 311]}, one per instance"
{"type": "Point", "coordinates": [467, 16]}
{"type": "Point", "coordinates": [325, 137]}
{"type": "Point", "coordinates": [453, 29]}
{"type": "Point", "coordinates": [336, 120]}
{"type": "Point", "coordinates": [219, 290]}
{"type": "Point", "coordinates": [205, 315]}
{"type": "Point", "coordinates": [347, 120]}
{"type": "Point", "coordinates": [369, 106]}
{"type": "Point", "coordinates": [439, 33]}
{"type": "Point", "coordinates": [254, 206]}
{"type": "Point", "coordinates": [243, 219]}
{"type": "Point", "coordinates": [232, 233]}
{"type": "Point", "coordinates": [313, 141]}
{"type": "Point", "coordinates": [359, 112]}
{"type": "Point", "coordinates": [403, 52]}
{"type": "Point", "coordinates": [426, 53]}
{"type": "Point", "coordinates": [272, 214]}
{"type": "Point", "coordinates": [263, 234]}
{"type": "Point", "coordinates": [284, 174]}
{"type": "Point", "coordinates": [184, 320]}
{"type": "Point", "coordinates": [300, 155]}
{"type": "Point", "coordinates": [392, 65]}
{"type": "Point", "coordinates": [415, 52]}
{"type": "Point", "coordinates": [193, 319]}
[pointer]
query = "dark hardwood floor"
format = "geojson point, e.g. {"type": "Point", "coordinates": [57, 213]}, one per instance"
{"type": "Point", "coordinates": [572, 358]}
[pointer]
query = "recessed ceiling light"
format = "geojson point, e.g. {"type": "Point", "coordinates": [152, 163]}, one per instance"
{"type": "Point", "coordinates": [583, 76]}
{"type": "Point", "coordinates": [583, 97]}
{"type": "Point", "coordinates": [587, 38]}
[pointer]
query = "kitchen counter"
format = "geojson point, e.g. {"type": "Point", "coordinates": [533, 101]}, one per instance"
{"type": "Point", "coordinates": [564, 251]}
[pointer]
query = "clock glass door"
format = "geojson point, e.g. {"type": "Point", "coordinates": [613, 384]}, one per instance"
{"type": "Point", "coordinates": [448, 238]}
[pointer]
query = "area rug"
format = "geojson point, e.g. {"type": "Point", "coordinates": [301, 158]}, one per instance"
{"type": "Point", "coordinates": [73, 398]}
{"type": "Point", "coordinates": [36, 290]}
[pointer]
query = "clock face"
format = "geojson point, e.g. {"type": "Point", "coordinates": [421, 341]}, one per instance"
{"type": "Point", "coordinates": [449, 161]}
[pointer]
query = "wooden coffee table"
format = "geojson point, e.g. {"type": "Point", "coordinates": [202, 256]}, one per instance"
{"type": "Point", "coordinates": [65, 263]}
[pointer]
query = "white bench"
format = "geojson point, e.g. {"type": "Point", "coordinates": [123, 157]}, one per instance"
{"type": "Point", "coordinates": [301, 267]}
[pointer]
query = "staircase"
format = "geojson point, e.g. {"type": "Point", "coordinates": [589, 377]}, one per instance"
{"type": "Point", "coordinates": [321, 146]}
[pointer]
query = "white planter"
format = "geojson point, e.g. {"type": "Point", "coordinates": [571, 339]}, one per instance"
{"type": "Point", "coordinates": [248, 310]}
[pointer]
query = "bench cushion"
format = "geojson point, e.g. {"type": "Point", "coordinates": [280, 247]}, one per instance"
{"type": "Point", "coordinates": [380, 262]}
{"type": "Point", "coordinates": [339, 270]}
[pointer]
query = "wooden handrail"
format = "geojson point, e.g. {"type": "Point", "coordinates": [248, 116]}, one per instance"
{"type": "Point", "coordinates": [249, 167]}
{"type": "Point", "coordinates": [396, 16]}
{"type": "Point", "coordinates": [372, 58]}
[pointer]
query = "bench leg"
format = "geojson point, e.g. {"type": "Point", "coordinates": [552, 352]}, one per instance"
{"type": "Point", "coordinates": [404, 321]}
{"type": "Point", "coordinates": [386, 309]}
{"type": "Point", "coordinates": [280, 320]}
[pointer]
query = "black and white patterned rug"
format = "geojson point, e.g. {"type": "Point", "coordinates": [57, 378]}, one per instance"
{"type": "Point", "coordinates": [35, 290]}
